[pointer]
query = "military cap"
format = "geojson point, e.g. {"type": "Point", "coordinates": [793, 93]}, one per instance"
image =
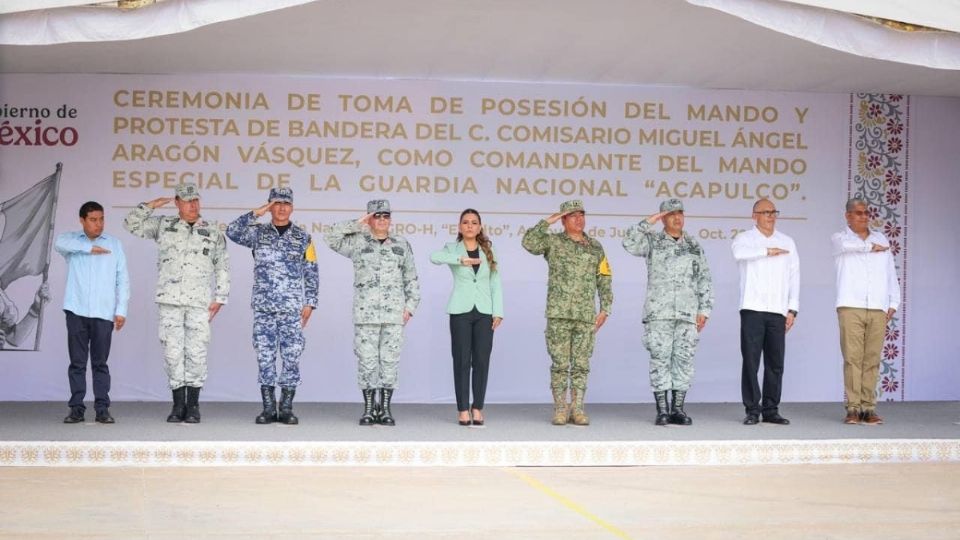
{"type": "Point", "coordinates": [671, 205]}
{"type": "Point", "coordinates": [575, 205]}
{"type": "Point", "coordinates": [378, 206]}
{"type": "Point", "coordinates": [187, 192]}
{"type": "Point", "coordinates": [281, 194]}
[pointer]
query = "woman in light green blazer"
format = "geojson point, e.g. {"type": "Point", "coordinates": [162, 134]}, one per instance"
{"type": "Point", "coordinates": [475, 308]}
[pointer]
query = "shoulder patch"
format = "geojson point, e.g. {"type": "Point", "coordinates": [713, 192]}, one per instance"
{"type": "Point", "coordinates": [604, 268]}
{"type": "Point", "coordinates": [311, 253]}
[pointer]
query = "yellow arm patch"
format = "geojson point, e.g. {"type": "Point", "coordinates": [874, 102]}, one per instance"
{"type": "Point", "coordinates": [311, 254]}
{"type": "Point", "coordinates": [604, 269]}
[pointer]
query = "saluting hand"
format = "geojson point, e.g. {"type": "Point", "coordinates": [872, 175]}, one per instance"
{"type": "Point", "coordinates": [556, 217]}
{"type": "Point", "coordinates": [259, 212]}
{"type": "Point", "coordinates": [656, 217]}
{"type": "Point", "coordinates": [878, 248]}
{"type": "Point", "coordinates": [774, 251]}
{"type": "Point", "coordinates": [160, 201]}
{"type": "Point", "coordinates": [97, 250]}
{"type": "Point", "coordinates": [365, 220]}
{"type": "Point", "coordinates": [468, 261]}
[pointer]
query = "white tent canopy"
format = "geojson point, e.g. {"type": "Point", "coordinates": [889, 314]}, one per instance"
{"type": "Point", "coordinates": [609, 41]}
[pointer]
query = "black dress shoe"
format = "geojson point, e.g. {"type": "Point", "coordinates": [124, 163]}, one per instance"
{"type": "Point", "coordinates": [104, 417]}
{"type": "Point", "coordinates": [464, 422]}
{"type": "Point", "coordinates": [775, 418]}
{"type": "Point", "coordinates": [75, 417]}
{"type": "Point", "coordinates": [751, 420]}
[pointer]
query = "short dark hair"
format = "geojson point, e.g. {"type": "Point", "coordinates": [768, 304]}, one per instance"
{"type": "Point", "coordinates": [89, 206]}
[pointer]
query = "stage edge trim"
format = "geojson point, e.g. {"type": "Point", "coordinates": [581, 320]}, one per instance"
{"type": "Point", "coordinates": [467, 454]}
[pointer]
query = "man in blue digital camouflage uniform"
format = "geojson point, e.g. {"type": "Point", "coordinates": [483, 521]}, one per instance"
{"type": "Point", "coordinates": [285, 282]}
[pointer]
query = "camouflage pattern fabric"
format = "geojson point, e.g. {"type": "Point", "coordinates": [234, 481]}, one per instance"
{"type": "Point", "coordinates": [285, 276]}
{"type": "Point", "coordinates": [189, 258]}
{"type": "Point", "coordinates": [672, 345]}
{"type": "Point", "coordinates": [285, 280]}
{"type": "Point", "coordinates": [578, 273]}
{"type": "Point", "coordinates": [570, 345]}
{"type": "Point", "coordinates": [278, 337]}
{"type": "Point", "coordinates": [384, 275]}
{"type": "Point", "coordinates": [377, 347]}
{"type": "Point", "coordinates": [184, 334]}
{"type": "Point", "coordinates": [679, 285]}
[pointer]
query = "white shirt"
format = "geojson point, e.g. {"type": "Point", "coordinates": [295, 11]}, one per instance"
{"type": "Point", "coordinates": [865, 279]}
{"type": "Point", "coordinates": [770, 284]}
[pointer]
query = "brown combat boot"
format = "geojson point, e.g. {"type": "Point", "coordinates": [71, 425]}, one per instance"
{"type": "Point", "coordinates": [560, 411]}
{"type": "Point", "coordinates": [577, 416]}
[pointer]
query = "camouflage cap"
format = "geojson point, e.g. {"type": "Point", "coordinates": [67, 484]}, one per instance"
{"type": "Point", "coordinates": [378, 206]}
{"type": "Point", "coordinates": [671, 205]}
{"type": "Point", "coordinates": [281, 194]}
{"type": "Point", "coordinates": [575, 205]}
{"type": "Point", "coordinates": [187, 192]}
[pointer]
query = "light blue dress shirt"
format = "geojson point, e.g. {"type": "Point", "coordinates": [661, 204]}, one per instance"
{"type": "Point", "coordinates": [97, 285]}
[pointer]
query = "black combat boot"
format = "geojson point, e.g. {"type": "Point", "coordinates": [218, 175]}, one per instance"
{"type": "Point", "coordinates": [368, 418]}
{"type": "Point", "coordinates": [386, 418]}
{"type": "Point", "coordinates": [663, 411]}
{"type": "Point", "coordinates": [269, 413]}
{"type": "Point", "coordinates": [179, 409]}
{"type": "Point", "coordinates": [286, 406]}
{"type": "Point", "coordinates": [677, 415]}
{"type": "Point", "coordinates": [193, 405]}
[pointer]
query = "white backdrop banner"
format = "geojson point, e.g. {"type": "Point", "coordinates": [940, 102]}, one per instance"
{"type": "Point", "coordinates": [433, 148]}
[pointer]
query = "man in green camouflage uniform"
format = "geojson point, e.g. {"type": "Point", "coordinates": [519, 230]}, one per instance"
{"type": "Point", "coordinates": [578, 273]}
{"type": "Point", "coordinates": [679, 300]}
{"type": "Point", "coordinates": [192, 255]}
{"type": "Point", "coordinates": [386, 292]}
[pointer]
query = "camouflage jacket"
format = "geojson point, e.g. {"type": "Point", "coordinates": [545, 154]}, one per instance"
{"type": "Point", "coordinates": [285, 276]}
{"type": "Point", "coordinates": [384, 275]}
{"type": "Point", "coordinates": [189, 258]}
{"type": "Point", "coordinates": [678, 277]}
{"type": "Point", "coordinates": [578, 273]}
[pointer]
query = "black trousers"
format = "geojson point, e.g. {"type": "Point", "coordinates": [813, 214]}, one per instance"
{"type": "Point", "coordinates": [763, 333]}
{"type": "Point", "coordinates": [87, 336]}
{"type": "Point", "coordinates": [471, 340]}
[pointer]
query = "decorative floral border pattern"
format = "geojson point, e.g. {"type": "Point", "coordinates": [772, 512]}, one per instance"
{"type": "Point", "coordinates": [879, 146]}
{"type": "Point", "coordinates": [465, 454]}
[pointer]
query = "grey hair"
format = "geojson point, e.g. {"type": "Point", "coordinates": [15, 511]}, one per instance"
{"type": "Point", "coordinates": [854, 202]}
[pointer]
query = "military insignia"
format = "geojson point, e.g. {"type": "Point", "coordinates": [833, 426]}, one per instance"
{"type": "Point", "coordinates": [397, 250]}
{"type": "Point", "coordinates": [203, 232]}
{"type": "Point", "coordinates": [311, 254]}
{"type": "Point", "coordinates": [604, 269]}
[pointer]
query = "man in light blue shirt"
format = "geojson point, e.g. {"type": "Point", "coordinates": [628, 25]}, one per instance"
{"type": "Point", "coordinates": [95, 302]}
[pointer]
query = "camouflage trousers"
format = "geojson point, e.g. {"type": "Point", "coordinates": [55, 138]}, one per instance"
{"type": "Point", "coordinates": [570, 345]}
{"type": "Point", "coordinates": [278, 337]}
{"type": "Point", "coordinates": [672, 345]}
{"type": "Point", "coordinates": [377, 347]}
{"type": "Point", "coordinates": [184, 334]}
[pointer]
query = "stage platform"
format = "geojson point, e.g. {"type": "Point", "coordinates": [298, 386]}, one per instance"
{"type": "Point", "coordinates": [32, 434]}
